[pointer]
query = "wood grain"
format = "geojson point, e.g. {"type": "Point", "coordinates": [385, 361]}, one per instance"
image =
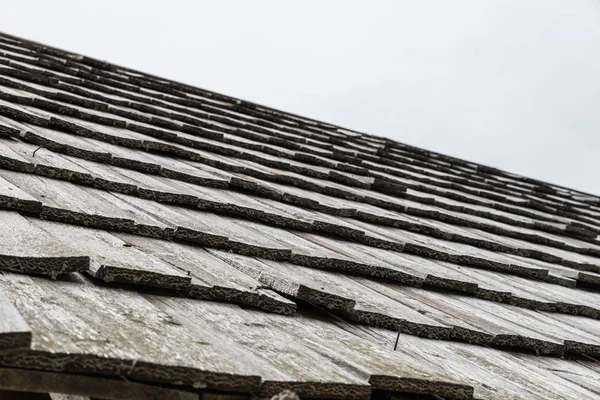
{"type": "Point", "coordinates": [27, 248]}
{"type": "Point", "coordinates": [14, 331]}
{"type": "Point", "coordinates": [236, 250]}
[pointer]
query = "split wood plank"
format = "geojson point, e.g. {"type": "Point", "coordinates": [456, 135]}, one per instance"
{"type": "Point", "coordinates": [211, 277]}
{"type": "Point", "coordinates": [495, 374]}
{"type": "Point", "coordinates": [339, 293]}
{"type": "Point", "coordinates": [118, 333]}
{"type": "Point", "coordinates": [300, 341]}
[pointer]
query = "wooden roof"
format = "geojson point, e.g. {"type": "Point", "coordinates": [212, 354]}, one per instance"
{"type": "Point", "coordinates": [162, 241]}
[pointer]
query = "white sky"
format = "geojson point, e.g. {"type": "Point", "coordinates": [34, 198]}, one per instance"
{"type": "Point", "coordinates": [511, 84]}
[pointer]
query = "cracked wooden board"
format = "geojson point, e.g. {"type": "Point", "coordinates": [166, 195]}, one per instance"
{"type": "Point", "coordinates": [115, 332]}
{"type": "Point", "coordinates": [587, 339]}
{"type": "Point", "coordinates": [345, 296]}
{"type": "Point", "coordinates": [419, 312]}
{"type": "Point", "coordinates": [289, 335]}
{"type": "Point", "coordinates": [69, 203]}
{"type": "Point", "coordinates": [132, 154]}
{"type": "Point", "coordinates": [42, 161]}
{"type": "Point", "coordinates": [539, 296]}
{"type": "Point", "coordinates": [506, 325]}
{"type": "Point", "coordinates": [493, 373]}
{"type": "Point", "coordinates": [317, 255]}
{"type": "Point", "coordinates": [211, 278]}
{"type": "Point", "coordinates": [288, 279]}
{"type": "Point", "coordinates": [11, 159]}
{"type": "Point", "coordinates": [285, 364]}
{"type": "Point", "coordinates": [447, 199]}
{"type": "Point", "coordinates": [193, 225]}
{"type": "Point", "coordinates": [405, 374]}
{"type": "Point", "coordinates": [582, 373]}
{"type": "Point", "coordinates": [449, 250]}
{"type": "Point", "coordinates": [427, 271]}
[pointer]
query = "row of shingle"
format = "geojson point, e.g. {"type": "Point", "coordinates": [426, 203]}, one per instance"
{"type": "Point", "coordinates": [539, 194]}
{"type": "Point", "coordinates": [114, 265]}
{"type": "Point", "coordinates": [42, 141]}
{"type": "Point", "coordinates": [137, 76]}
{"type": "Point", "coordinates": [102, 220]}
{"type": "Point", "coordinates": [569, 227]}
{"type": "Point", "coordinates": [273, 217]}
{"type": "Point", "coordinates": [575, 231]}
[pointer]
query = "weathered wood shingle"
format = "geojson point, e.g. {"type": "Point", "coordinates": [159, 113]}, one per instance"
{"type": "Point", "coordinates": [158, 240]}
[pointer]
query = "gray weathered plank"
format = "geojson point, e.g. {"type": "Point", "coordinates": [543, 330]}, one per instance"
{"type": "Point", "coordinates": [495, 374]}
{"type": "Point", "coordinates": [211, 278]}
{"type": "Point", "coordinates": [149, 113]}
{"type": "Point", "coordinates": [14, 331]}
{"type": "Point", "coordinates": [118, 333]}
{"type": "Point", "coordinates": [28, 249]}
{"type": "Point", "coordinates": [113, 259]}
{"type": "Point", "coordinates": [306, 351]}
{"type": "Point", "coordinates": [11, 197]}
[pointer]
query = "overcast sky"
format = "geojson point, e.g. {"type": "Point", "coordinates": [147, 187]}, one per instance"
{"type": "Point", "coordinates": [511, 84]}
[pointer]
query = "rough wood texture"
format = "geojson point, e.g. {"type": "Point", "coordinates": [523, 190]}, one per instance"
{"type": "Point", "coordinates": [117, 333]}
{"type": "Point", "coordinates": [313, 357]}
{"type": "Point", "coordinates": [12, 197]}
{"type": "Point", "coordinates": [235, 251]}
{"type": "Point", "coordinates": [27, 248]}
{"type": "Point", "coordinates": [113, 259]}
{"type": "Point", "coordinates": [14, 331]}
{"type": "Point", "coordinates": [211, 278]}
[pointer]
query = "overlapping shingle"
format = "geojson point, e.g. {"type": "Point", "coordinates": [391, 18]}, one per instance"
{"type": "Point", "coordinates": [196, 244]}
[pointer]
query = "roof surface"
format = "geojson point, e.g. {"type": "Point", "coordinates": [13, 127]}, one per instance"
{"type": "Point", "coordinates": [159, 240]}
